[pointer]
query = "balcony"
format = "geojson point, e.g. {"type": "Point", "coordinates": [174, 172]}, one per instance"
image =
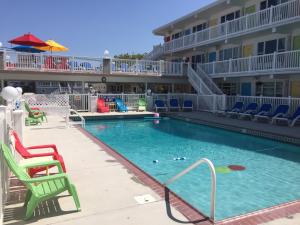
{"type": "Point", "coordinates": [19, 61]}
{"type": "Point", "coordinates": [282, 14]}
{"type": "Point", "coordinates": [276, 63]}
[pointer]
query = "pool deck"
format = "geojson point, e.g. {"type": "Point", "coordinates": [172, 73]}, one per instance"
{"type": "Point", "coordinates": [107, 185]}
{"type": "Point", "coordinates": [280, 132]}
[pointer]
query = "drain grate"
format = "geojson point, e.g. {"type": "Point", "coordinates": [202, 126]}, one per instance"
{"type": "Point", "coordinates": [144, 199]}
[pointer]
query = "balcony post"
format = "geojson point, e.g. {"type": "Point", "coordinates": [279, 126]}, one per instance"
{"type": "Point", "coordinates": [247, 18]}
{"type": "Point", "coordinates": [214, 67]}
{"type": "Point", "coordinates": [230, 66]}
{"type": "Point", "coordinates": [249, 63]}
{"type": "Point", "coordinates": [72, 64]}
{"type": "Point", "coordinates": [161, 64]}
{"type": "Point", "coordinates": [41, 61]}
{"type": "Point", "coordinates": [271, 14]}
{"type": "Point", "coordinates": [4, 59]}
{"type": "Point", "coordinates": [274, 60]}
{"type": "Point", "coordinates": [136, 66]}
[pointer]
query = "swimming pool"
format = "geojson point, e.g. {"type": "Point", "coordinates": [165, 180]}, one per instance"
{"type": "Point", "coordinates": [271, 174]}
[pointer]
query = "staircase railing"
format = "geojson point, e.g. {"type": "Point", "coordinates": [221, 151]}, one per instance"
{"type": "Point", "coordinates": [81, 122]}
{"type": "Point", "coordinates": [197, 82]}
{"type": "Point", "coordinates": [213, 182]}
{"type": "Point", "coordinates": [208, 81]}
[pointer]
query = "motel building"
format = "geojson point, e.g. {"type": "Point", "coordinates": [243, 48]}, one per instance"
{"type": "Point", "coordinates": [247, 47]}
{"type": "Point", "coordinates": [232, 47]}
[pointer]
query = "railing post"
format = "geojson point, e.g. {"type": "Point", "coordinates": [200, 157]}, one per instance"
{"type": "Point", "coordinates": [161, 68]}
{"type": "Point", "coordinates": [247, 18]}
{"type": "Point", "coordinates": [230, 66]}
{"type": "Point", "coordinates": [18, 123]}
{"type": "Point", "coordinates": [72, 64]}
{"type": "Point", "coordinates": [137, 66]}
{"type": "Point", "coordinates": [274, 61]}
{"type": "Point", "coordinates": [223, 102]}
{"type": "Point", "coordinates": [271, 14]}
{"type": "Point", "coordinates": [41, 61]}
{"type": "Point", "coordinates": [214, 67]}
{"type": "Point", "coordinates": [249, 63]}
{"type": "Point", "coordinates": [4, 59]}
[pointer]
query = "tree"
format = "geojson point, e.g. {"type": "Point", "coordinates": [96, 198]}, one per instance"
{"type": "Point", "coordinates": [130, 56]}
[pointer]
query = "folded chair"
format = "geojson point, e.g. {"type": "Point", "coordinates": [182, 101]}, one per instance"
{"type": "Point", "coordinates": [160, 105]}
{"type": "Point", "coordinates": [142, 105]}
{"type": "Point", "coordinates": [40, 188]}
{"type": "Point", "coordinates": [121, 107]}
{"type": "Point", "coordinates": [101, 107]}
{"type": "Point", "coordinates": [291, 120]}
{"type": "Point", "coordinates": [174, 105]}
{"type": "Point", "coordinates": [26, 153]}
{"type": "Point", "coordinates": [187, 104]}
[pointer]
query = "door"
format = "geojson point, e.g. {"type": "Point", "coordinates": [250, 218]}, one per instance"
{"type": "Point", "coordinates": [250, 9]}
{"type": "Point", "coordinates": [296, 42]}
{"type": "Point", "coordinates": [246, 89]}
{"type": "Point", "coordinates": [212, 57]}
{"type": "Point", "coordinates": [247, 50]}
{"type": "Point", "coordinates": [295, 89]}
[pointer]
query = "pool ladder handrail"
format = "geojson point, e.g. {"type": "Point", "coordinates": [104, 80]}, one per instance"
{"type": "Point", "coordinates": [213, 182]}
{"type": "Point", "coordinates": [82, 122]}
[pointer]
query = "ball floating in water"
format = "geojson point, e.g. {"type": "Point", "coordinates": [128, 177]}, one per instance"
{"type": "Point", "coordinates": [180, 158]}
{"type": "Point", "coordinates": [236, 167]}
{"type": "Point", "coordinates": [156, 121]}
{"type": "Point", "coordinates": [222, 169]}
{"type": "Point", "coordinates": [156, 114]}
{"type": "Point", "coordinates": [155, 161]}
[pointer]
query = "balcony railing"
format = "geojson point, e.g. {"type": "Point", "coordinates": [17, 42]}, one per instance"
{"type": "Point", "coordinates": [13, 60]}
{"type": "Point", "coordinates": [275, 15]}
{"type": "Point", "coordinates": [283, 62]}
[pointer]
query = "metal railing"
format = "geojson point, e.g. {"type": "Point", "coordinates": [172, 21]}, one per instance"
{"type": "Point", "coordinates": [197, 82]}
{"type": "Point", "coordinates": [135, 66]}
{"type": "Point", "coordinates": [81, 121]}
{"type": "Point", "coordinates": [283, 62]}
{"type": "Point", "coordinates": [276, 15]}
{"type": "Point", "coordinates": [213, 182]}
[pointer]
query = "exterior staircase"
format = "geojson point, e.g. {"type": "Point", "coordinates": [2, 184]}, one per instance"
{"type": "Point", "coordinates": [201, 82]}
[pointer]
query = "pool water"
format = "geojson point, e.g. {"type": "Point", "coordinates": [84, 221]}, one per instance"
{"type": "Point", "coordinates": [271, 174]}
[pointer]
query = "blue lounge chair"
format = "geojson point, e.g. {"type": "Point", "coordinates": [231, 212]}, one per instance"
{"type": "Point", "coordinates": [250, 110]}
{"type": "Point", "coordinates": [265, 109]}
{"type": "Point", "coordinates": [237, 108]}
{"type": "Point", "coordinates": [280, 111]}
{"type": "Point", "coordinates": [121, 107]}
{"type": "Point", "coordinates": [187, 104]}
{"type": "Point", "coordinates": [291, 120]}
{"type": "Point", "coordinates": [174, 104]}
{"type": "Point", "coordinates": [159, 104]}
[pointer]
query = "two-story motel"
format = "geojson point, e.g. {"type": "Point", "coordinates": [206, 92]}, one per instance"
{"type": "Point", "coordinates": [248, 47]}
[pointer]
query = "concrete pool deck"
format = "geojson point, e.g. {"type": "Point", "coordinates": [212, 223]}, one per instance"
{"type": "Point", "coordinates": [106, 188]}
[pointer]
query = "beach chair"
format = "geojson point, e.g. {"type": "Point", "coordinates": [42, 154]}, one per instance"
{"type": "Point", "coordinates": [28, 152]}
{"type": "Point", "coordinates": [237, 108]}
{"type": "Point", "coordinates": [265, 109]}
{"type": "Point", "coordinates": [35, 113]}
{"type": "Point", "coordinates": [187, 104]}
{"type": "Point", "coordinates": [160, 105]}
{"type": "Point", "coordinates": [40, 188]}
{"type": "Point", "coordinates": [280, 111]}
{"type": "Point", "coordinates": [291, 120]}
{"type": "Point", "coordinates": [101, 107]}
{"type": "Point", "coordinates": [121, 107]}
{"type": "Point", "coordinates": [174, 105]}
{"type": "Point", "coordinates": [142, 105]}
{"type": "Point", "coordinates": [250, 110]}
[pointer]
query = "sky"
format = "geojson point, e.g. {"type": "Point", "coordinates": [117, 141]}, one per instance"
{"type": "Point", "coordinates": [89, 27]}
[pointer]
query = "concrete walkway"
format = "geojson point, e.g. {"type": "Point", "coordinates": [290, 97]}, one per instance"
{"type": "Point", "coordinates": [106, 189]}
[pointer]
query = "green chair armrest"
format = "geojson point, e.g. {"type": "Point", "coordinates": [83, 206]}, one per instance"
{"type": "Point", "coordinates": [44, 164]}
{"type": "Point", "coordinates": [45, 178]}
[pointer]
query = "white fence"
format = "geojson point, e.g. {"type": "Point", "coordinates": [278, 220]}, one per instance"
{"type": "Point", "coordinates": [270, 17]}
{"type": "Point", "coordinates": [294, 103]}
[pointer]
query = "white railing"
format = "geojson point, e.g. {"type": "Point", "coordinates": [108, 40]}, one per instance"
{"type": "Point", "coordinates": [197, 82]}
{"type": "Point", "coordinates": [213, 182]}
{"type": "Point", "coordinates": [40, 62]}
{"type": "Point", "coordinates": [181, 97]}
{"type": "Point", "coordinates": [208, 81]}
{"type": "Point", "coordinates": [276, 15]}
{"type": "Point", "coordinates": [14, 60]}
{"type": "Point", "coordinates": [79, 102]}
{"type": "Point", "coordinates": [81, 118]}
{"type": "Point", "coordinates": [294, 103]}
{"type": "Point", "coordinates": [283, 62]}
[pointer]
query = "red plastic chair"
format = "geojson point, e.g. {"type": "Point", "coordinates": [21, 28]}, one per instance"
{"type": "Point", "coordinates": [101, 107]}
{"type": "Point", "coordinates": [23, 151]}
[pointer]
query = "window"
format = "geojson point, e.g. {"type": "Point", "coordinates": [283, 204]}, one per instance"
{"type": "Point", "coordinates": [199, 27]}
{"type": "Point", "coordinates": [271, 46]}
{"type": "Point", "coordinates": [229, 53]}
{"type": "Point", "coordinates": [268, 3]}
{"type": "Point", "coordinates": [231, 16]}
{"type": "Point", "coordinates": [167, 39]}
{"type": "Point", "coordinates": [269, 89]}
{"type": "Point", "coordinates": [177, 35]}
{"type": "Point", "coordinates": [187, 32]}
{"type": "Point", "coordinates": [198, 59]}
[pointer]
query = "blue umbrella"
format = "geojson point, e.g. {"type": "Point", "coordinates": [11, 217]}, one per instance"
{"type": "Point", "coordinates": [22, 48]}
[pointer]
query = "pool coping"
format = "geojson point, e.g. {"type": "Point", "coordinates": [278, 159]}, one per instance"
{"type": "Point", "coordinates": [191, 213]}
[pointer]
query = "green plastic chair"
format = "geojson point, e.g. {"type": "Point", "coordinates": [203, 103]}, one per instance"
{"type": "Point", "coordinates": [36, 114]}
{"type": "Point", "coordinates": [40, 188]}
{"type": "Point", "coordinates": [142, 104]}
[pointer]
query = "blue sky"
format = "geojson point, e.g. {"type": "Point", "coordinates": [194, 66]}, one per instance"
{"type": "Point", "coordinates": [91, 26]}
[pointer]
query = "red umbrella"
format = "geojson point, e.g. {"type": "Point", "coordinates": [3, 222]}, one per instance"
{"type": "Point", "coordinates": [28, 40]}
